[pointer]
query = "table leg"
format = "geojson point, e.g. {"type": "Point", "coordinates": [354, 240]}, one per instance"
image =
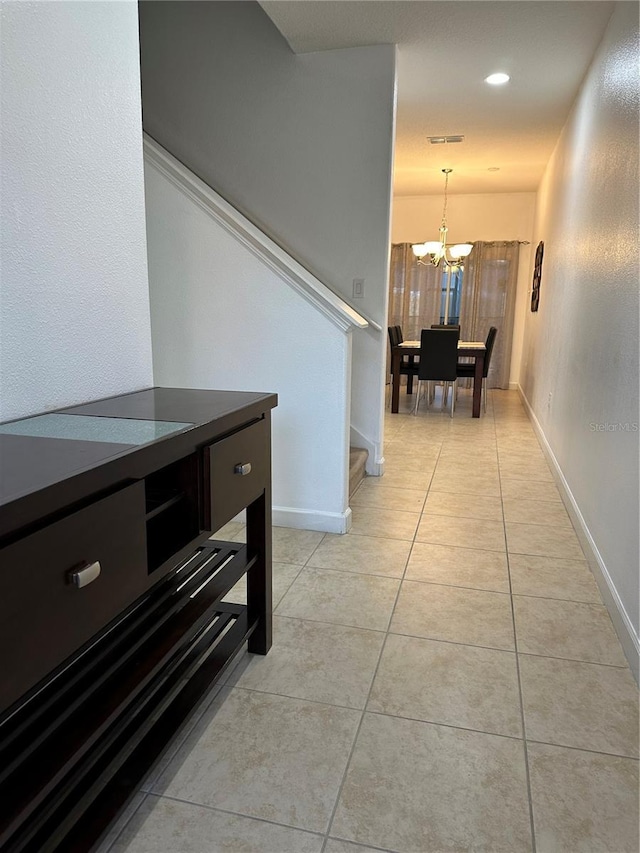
{"type": "Point", "coordinates": [259, 576]}
{"type": "Point", "coordinates": [477, 384]}
{"type": "Point", "coordinates": [395, 380]}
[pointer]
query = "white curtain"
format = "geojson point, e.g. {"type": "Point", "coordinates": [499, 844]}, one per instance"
{"type": "Point", "coordinates": [488, 298]}
{"type": "Point", "coordinates": [415, 292]}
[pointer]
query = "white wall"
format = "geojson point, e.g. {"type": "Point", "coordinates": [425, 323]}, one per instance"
{"type": "Point", "coordinates": [302, 145]}
{"type": "Point", "coordinates": [74, 311]}
{"type": "Point", "coordinates": [580, 363]}
{"type": "Point", "coordinates": [223, 319]}
{"type": "Point", "coordinates": [481, 216]}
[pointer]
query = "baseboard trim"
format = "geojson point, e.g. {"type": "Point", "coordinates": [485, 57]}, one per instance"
{"type": "Point", "coordinates": [514, 386]}
{"type": "Point", "coordinates": [621, 622]}
{"type": "Point", "coordinates": [309, 519]}
{"type": "Point", "coordinates": [375, 461]}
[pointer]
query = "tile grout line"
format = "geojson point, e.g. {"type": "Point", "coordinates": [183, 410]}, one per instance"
{"type": "Point", "coordinates": [375, 673]}
{"type": "Point", "coordinates": [360, 722]}
{"type": "Point", "coordinates": [634, 758]}
{"type": "Point", "coordinates": [519, 677]}
{"type": "Point", "coordinates": [246, 816]}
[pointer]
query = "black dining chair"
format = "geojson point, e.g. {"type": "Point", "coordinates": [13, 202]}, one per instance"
{"type": "Point", "coordinates": [408, 363]}
{"type": "Point", "coordinates": [438, 362]}
{"type": "Point", "coordinates": [466, 370]}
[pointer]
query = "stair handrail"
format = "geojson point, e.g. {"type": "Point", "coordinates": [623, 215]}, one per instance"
{"type": "Point", "coordinates": [241, 228]}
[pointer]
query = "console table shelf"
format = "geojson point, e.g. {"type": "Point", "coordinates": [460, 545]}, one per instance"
{"type": "Point", "coordinates": [78, 741]}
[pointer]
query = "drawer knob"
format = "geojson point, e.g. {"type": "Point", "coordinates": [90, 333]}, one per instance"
{"type": "Point", "coordinates": [243, 470]}
{"type": "Point", "coordinates": [86, 575]}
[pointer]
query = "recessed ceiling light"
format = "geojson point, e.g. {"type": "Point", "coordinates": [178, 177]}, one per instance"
{"type": "Point", "coordinates": [493, 169]}
{"type": "Point", "coordinates": [497, 79]}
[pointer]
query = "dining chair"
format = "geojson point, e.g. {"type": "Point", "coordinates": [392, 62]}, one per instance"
{"type": "Point", "coordinates": [438, 363]}
{"type": "Point", "coordinates": [466, 370]}
{"type": "Point", "coordinates": [445, 326]}
{"type": "Point", "coordinates": [408, 364]}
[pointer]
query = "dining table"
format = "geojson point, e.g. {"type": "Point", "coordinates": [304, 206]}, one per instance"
{"type": "Point", "coordinates": [466, 349]}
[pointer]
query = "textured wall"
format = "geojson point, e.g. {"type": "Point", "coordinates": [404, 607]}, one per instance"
{"type": "Point", "coordinates": [302, 145]}
{"type": "Point", "coordinates": [580, 359]}
{"type": "Point", "coordinates": [74, 320]}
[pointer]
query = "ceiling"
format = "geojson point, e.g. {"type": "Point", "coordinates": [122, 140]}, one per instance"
{"type": "Point", "coordinates": [445, 50]}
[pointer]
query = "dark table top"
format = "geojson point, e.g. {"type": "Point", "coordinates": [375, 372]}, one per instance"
{"type": "Point", "coordinates": [41, 452]}
{"type": "Point", "coordinates": [173, 404]}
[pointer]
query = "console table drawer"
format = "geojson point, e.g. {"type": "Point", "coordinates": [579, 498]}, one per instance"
{"type": "Point", "coordinates": [237, 468]}
{"type": "Point", "coordinates": [47, 613]}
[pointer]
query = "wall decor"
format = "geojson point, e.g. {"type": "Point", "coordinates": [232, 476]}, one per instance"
{"type": "Point", "coordinates": [537, 275]}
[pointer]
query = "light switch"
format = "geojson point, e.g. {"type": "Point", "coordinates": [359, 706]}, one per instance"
{"type": "Point", "coordinates": [358, 288]}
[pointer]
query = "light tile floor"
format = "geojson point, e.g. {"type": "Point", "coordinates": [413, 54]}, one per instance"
{"type": "Point", "coordinates": [443, 678]}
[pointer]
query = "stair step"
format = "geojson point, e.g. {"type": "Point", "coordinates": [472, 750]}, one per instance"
{"type": "Point", "coordinates": [357, 461]}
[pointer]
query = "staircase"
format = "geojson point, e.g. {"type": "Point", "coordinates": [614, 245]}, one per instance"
{"type": "Point", "coordinates": [357, 460]}
{"type": "Point", "coordinates": [192, 230]}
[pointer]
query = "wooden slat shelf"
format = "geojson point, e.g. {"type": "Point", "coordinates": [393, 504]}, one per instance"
{"type": "Point", "coordinates": [142, 752]}
{"type": "Point", "coordinates": [83, 744]}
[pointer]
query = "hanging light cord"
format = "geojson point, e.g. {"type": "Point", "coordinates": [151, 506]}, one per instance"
{"type": "Point", "coordinates": [437, 250]}
{"type": "Point", "coordinates": [447, 172]}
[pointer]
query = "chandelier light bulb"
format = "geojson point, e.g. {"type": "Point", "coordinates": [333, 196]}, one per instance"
{"type": "Point", "coordinates": [460, 250]}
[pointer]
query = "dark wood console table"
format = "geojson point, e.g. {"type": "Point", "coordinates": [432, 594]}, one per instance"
{"type": "Point", "coordinates": [112, 624]}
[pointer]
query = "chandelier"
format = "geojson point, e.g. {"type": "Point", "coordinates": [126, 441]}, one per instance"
{"type": "Point", "coordinates": [437, 250]}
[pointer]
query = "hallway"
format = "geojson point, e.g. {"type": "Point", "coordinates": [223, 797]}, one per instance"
{"type": "Point", "coordinates": [443, 678]}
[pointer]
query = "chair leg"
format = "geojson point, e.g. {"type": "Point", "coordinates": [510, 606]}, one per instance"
{"type": "Point", "coordinates": [415, 408]}
{"type": "Point", "coordinates": [446, 388]}
{"type": "Point", "coordinates": [410, 383]}
{"type": "Point", "coordinates": [454, 393]}
{"type": "Point", "coordinates": [484, 394]}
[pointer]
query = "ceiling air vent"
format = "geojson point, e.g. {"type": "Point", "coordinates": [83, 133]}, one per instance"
{"type": "Point", "coordinates": [442, 140]}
